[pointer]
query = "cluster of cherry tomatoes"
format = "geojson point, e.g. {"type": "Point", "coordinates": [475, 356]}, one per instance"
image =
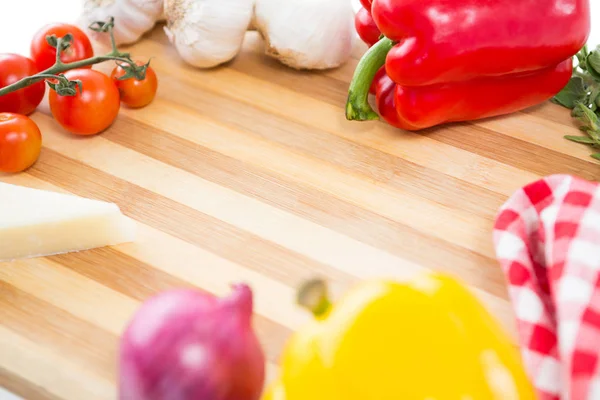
{"type": "Point", "coordinates": [88, 112]}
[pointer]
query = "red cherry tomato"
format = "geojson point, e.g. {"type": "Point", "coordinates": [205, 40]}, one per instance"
{"type": "Point", "coordinates": [136, 93]}
{"type": "Point", "coordinates": [366, 4]}
{"type": "Point", "coordinates": [44, 55]}
{"type": "Point", "coordinates": [91, 111]}
{"type": "Point", "coordinates": [366, 28]}
{"type": "Point", "coordinates": [13, 68]}
{"type": "Point", "coordinates": [20, 142]}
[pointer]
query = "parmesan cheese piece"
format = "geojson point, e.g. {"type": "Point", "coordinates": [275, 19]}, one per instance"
{"type": "Point", "coordinates": [36, 223]}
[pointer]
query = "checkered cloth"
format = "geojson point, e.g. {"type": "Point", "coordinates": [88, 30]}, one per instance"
{"type": "Point", "coordinates": [547, 239]}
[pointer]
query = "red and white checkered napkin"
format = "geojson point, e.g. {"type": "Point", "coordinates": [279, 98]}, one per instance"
{"type": "Point", "coordinates": [547, 238]}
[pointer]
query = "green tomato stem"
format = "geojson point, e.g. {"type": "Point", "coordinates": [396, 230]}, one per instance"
{"type": "Point", "coordinates": [60, 67]}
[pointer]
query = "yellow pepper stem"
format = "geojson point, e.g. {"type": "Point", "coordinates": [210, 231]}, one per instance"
{"type": "Point", "coordinates": [313, 295]}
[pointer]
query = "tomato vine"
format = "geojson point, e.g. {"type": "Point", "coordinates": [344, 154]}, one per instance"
{"type": "Point", "coordinates": [64, 86]}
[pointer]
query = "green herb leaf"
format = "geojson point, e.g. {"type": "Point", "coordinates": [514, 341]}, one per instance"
{"type": "Point", "coordinates": [596, 156]}
{"type": "Point", "coordinates": [589, 117]}
{"type": "Point", "coordinates": [581, 139]}
{"type": "Point", "coordinates": [594, 98]}
{"type": "Point", "coordinates": [593, 64]}
{"type": "Point", "coordinates": [582, 54]}
{"type": "Point", "coordinates": [575, 92]}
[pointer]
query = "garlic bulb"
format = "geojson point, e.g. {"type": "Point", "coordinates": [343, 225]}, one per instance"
{"type": "Point", "coordinates": [133, 18]}
{"type": "Point", "coordinates": [207, 33]}
{"type": "Point", "coordinates": [302, 34]}
{"type": "Point", "coordinates": [307, 34]}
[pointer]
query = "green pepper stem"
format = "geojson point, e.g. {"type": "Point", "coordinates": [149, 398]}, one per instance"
{"type": "Point", "coordinates": [357, 105]}
{"type": "Point", "coordinates": [313, 296]}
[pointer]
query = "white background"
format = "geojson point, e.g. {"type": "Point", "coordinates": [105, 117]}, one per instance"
{"type": "Point", "coordinates": [20, 19]}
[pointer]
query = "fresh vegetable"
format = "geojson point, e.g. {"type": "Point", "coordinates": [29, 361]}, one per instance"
{"type": "Point", "coordinates": [459, 61]}
{"type": "Point", "coordinates": [207, 33]}
{"type": "Point", "coordinates": [14, 67]}
{"type": "Point", "coordinates": [94, 106]}
{"type": "Point", "coordinates": [299, 33]}
{"type": "Point", "coordinates": [44, 55]}
{"type": "Point", "coordinates": [134, 17]}
{"type": "Point", "coordinates": [134, 92]}
{"type": "Point", "coordinates": [305, 34]}
{"type": "Point", "coordinates": [302, 34]}
{"type": "Point", "coordinates": [425, 338]}
{"type": "Point", "coordinates": [366, 28]}
{"type": "Point", "coordinates": [187, 345]}
{"type": "Point", "coordinates": [57, 80]}
{"type": "Point", "coordinates": [582, 95]}
{"type": "Point", "coordinates": [20, 142]}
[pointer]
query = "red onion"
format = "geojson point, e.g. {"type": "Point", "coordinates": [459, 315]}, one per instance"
{"type": "Point", "coordinates": [187, 345]}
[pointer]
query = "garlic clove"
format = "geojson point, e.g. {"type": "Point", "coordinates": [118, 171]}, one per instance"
{"type": "Point", "coordinates": [207, 33]}
{"type": "Point", "coordinates": [307, 34]}
{"type": "Point", "coordinates": [133, 18]}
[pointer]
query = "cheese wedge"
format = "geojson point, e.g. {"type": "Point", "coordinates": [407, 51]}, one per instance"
{"type": "Point", "coordinates": [36, 223]}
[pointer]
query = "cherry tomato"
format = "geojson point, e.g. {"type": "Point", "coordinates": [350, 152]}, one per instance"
{"type": "Point", "coordinates": [136, 93]}
{"type": "Point", "coordinates": [14, 67]}
{"type": "Point", "coordinates": [20, 142]}
{"type": "Point", "coordinates": [366, 4]}
{"type": "Point", "coordinates": [91, 111]}
{"type": "Point", "coordinates": [44, 55]}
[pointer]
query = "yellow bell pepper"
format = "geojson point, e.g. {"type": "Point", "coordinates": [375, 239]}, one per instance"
{"type": "Point", "coordinates": [427, 338]}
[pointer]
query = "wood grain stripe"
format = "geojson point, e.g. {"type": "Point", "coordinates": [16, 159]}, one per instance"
{"type": "Point", "coordinates": [467, 229]}
{"type": "Point", "coordinates": [15, 385]}
{"type": "Point", "coordinates": [524, 154]}
{"type": "Point", "coordinates": [413, 147]}
{"type": "Point", "coordinates": [51, 371]}
{"type": "Point", "coordinates": [308, 203]}
{"type": "Point", "coordinates": [164, 214]}
{"type": "Point", "coordinates": [42, 323]}
{"type": "Point", "coordinates": [371, 164]}
{"type": "Point", "coordinates": [229, 206]}
{"type": "Point", "coordinates": [94, 183]}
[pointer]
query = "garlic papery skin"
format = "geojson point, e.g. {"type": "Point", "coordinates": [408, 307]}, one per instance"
{"type": "Point", "coordinates": [133, 18]}
{"type": "Point", "coordinates": [307, 34]}
{"type": "Point", "coordinates": [207, 33]}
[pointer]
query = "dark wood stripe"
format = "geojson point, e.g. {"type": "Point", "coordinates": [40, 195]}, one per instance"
{"type": "Point", "coordinates": [180, 221]}
{"type": "Point", "coordinates": [138, 280]}
{"type": "Point", "coordinates": [552, 112]}
{"type": "Point", "coordinates": [41, 322]}
{"type": "Point", "coordinates": [373, 164]}
{"type": "Point", "coordinates": [310, 204]}
{"type": "Point", "coordinates": [523, 155]}
{"type": "Point", "coordinates": [23, 388]}
{"type": "Point", "coordinates": [316, 84]}
{"type": "Point", "coordinates": [468, 136]}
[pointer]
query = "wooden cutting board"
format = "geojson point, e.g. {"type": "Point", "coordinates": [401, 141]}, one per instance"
{"type": "Point", "coordinates": [250, 172]}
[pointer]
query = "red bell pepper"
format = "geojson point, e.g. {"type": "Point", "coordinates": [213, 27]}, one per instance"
{"type": "Point", "coordinates": [441, 61]}
{"type": "Point", "coordinates": [366, 27]}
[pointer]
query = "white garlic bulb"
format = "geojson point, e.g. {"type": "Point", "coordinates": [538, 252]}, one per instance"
{"type": "Point", "coordinates": [133, 18]}
{"type": "Point", "coordinates": [207, 33]}
{"type": "Point", "coordinates": [307, 34]}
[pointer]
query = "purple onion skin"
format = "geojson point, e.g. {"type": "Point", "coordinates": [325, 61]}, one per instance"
{"type": "Point", "coordinates": [187, 345]}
